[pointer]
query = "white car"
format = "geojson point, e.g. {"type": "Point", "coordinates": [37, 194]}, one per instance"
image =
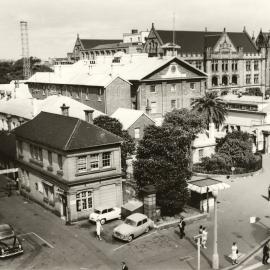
{"type": "Point", "coordinates": [133, 226]}
{"type": "Point", "coordinates": [104, 214]}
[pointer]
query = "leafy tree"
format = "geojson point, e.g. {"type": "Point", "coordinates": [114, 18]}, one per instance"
{"type": "Point", "coordinates": [234, 150]}
{"type": "Point", "coordinates": [13, 70]}
{"type": "Point", "coordinates": [212, 107]}
{"type": "Point", "coordinates": [163, 158]}
{"type": "Point", "coordinates": [114, 126]}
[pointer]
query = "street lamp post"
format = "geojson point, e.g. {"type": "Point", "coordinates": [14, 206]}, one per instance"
{"type": "Point", "coordinates": [215, 261]}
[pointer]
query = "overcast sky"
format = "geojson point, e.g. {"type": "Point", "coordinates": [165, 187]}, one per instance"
{"type": "Point", "coordinates": [54, 24]}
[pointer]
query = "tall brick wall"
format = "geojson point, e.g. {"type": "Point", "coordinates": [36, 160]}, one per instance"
{"type": "Point", "coordinates": [118, 95]}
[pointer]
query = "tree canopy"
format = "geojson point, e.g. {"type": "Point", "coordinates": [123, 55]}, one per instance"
{"type": "Point", "coordinates": [234, 150]}
{"type": "Point", "coordinates": [163, 158]}
{"type": "Point", "coordinates": [114, 126]}
{"type": "Point", "coordinates": [212, 107]}
{"type": "Point", "coordinates": [13, 70]}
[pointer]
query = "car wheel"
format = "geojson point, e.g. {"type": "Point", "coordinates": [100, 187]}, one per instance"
{"type": "Point", "coordinates": [147, 229]}
{"type": "Point", "coordinates": [103, 221]}
{"type": "Point", "coordinates": [130, 238]}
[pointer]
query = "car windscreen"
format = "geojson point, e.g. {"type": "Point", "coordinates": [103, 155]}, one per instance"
{"type": "Point", "coordinates": [9, 242]}
{"type": "Point", "coordinates": [130, 222]}
{"type": "Point", "coordinates": [97, 211]}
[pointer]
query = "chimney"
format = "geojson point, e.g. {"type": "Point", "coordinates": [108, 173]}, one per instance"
{"type": "Point", "coordinates": [205, 29]}
{"type": "Point", "coordinates": [21, 120]}
{"type": "Point", "coordinates": [89, 116]}
{"type": "Point", "coordinates": [134, 31]}
{"type": "Point", "coordinates": [147, 108]}
{"type": "Point", "coordinates": [64, 109]}
{"type": "Point", "coordinates": [9, 122]}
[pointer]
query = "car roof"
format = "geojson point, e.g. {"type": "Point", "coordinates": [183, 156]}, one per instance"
{"type": "Point", "coordinates": [137, 216]}
{"type": "Point", "coordinates": [6, 231]}
{"type": "Point", "coordinates": [100, 208]}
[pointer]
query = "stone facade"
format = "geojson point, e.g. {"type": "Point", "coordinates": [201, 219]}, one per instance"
{"type": "Point", "coordinates": [231, 59]}
{"type": "Point", "coordinates": [71, 183]}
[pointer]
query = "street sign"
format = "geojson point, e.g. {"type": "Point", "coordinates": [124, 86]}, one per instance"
{"type": "Point", "coordinates": [13, 170]}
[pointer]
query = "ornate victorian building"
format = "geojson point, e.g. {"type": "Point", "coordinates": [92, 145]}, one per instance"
{"type": "Point", "coordinates": [231, 59]}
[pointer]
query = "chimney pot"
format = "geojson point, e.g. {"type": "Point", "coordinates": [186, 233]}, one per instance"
{"type": "Point", "coordinates": [89, 116]}
{"type": "Point", "coordinates": [65, 109]}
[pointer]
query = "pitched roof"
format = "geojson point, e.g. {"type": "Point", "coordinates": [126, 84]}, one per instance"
{"type": "Point", "coordinates": [91, 43]}
{"type": "Point", "coordinates": [194, 41]}
{"type": "Point", "coordinates": [112, 46]}
{"type": "Point", "coordinates": [128, 117]}
{"type": "Point", "coordinates": [65, 133]}
{"type": "Point", "coordinates": [7, 144]}
{"type": "Point", "coordinates": [29, 108]}
{"type": "Point", "coordinates": [104, 71]}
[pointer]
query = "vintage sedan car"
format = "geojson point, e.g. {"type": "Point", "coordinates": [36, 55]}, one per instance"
{"type": "Point", "coordinates": [10, 245]}
{"type": "Point", "coordinates": [133, 226]}
{"type": "Point", "coordinates": [105, 213]}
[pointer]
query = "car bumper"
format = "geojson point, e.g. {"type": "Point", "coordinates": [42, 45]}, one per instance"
{"type": "Point", "coordinates": [11, 253]}
{"type": "Point", "coordinates": [120, 236]}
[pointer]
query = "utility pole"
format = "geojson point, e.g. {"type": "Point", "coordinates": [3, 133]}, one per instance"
{"type": "Point", "coordinates": [25, 50]}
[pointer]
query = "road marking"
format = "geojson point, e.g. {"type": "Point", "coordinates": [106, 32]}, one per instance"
{"type": "Point", "coordinates": [134, 241]}
{"type": "Point", "coordinates": [39, 237]}
{"type": "Point", "coordinates": [254, 266]}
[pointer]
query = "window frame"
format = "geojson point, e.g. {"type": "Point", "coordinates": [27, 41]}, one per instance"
{"type": "Point", "coordinates": [82, 202]}
{"type": "Point", "coordinates": [81, 164]}
{"type": "Point", "coordinates": [107, 159]}
{"type": "Point", "coordinates": [151, 87]}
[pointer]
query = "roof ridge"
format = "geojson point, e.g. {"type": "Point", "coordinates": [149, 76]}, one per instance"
{"type": "Point", "coordinates": [72, 133]}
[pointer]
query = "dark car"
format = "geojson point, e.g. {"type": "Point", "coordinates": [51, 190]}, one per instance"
{"type": "Point", "coordinates": [9, 243]}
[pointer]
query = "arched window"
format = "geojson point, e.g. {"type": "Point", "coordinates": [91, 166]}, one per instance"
{"type": "Point", "coordinates": [234, 79]}
{"type": "Point", "coordinates": [214, 81]}
{"type": "Point", "coordinates": [224, 80]}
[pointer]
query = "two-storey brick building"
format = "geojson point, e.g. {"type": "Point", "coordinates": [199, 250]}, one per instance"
{"type": "Point", "coordinates": [156, 84]}
{"type": "Point", "coordinates": [69, 165]}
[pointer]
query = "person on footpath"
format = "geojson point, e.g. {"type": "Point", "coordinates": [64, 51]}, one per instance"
{"type": "Point", "coordinates": [268, 193]}
{"type": "Point", "coordinates": [234, 253]}
{"type": "Point", "coordinates": [265, 253]}
{"type": "Point", "coordinates": [124, 266]}
{"type": "Point", "coordinates": [98, 229]}
{"type": "Point", "coordinates": [181, 226]}
{"type": "Point", "coordinates": [204, 237]}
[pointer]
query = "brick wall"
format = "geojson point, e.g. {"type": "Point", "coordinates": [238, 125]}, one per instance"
{"type": "Point", "coordinates": [118, 95]}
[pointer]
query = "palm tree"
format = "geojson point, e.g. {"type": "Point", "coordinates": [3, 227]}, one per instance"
{"type": "Point", "coordinates": [212, 106]}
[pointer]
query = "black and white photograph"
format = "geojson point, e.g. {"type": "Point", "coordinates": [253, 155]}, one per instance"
{"type": "Point", "coordinates": [134, 135]}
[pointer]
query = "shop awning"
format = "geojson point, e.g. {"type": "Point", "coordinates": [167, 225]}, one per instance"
{"type": "Point", "coordinates": [201, 185]}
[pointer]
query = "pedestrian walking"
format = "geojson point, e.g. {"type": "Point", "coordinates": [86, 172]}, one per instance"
{"type": "Point", "coordinates": [265, 253]}
{"type": "Point", "coordinates": [234, 253]}
{"type": "Point", "coordinates": [181, 226]}
{"type": "Point", "coordinates": [268, 193]}
{"type": "Point", "coordinates": [124, 266]}
{"type": "Point", "coordinates": [98, 229]}
{"type": "Point", "coordinates": [204, 237]}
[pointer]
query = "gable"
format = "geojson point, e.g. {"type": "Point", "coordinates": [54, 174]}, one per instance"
{"type": "Point", "coordinates": [153, 42]}
{"type": "Point", "coordinates": [78, 46]}
{"type": "Point", "coordinates": [175, 69]}
{"type": "Point", "coordinates": [224, 45]}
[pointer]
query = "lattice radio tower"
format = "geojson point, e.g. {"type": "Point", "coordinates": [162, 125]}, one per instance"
{"type": "Point", "coordinates": [25, 50]}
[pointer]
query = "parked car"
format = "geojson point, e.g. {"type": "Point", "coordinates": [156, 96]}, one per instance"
{"type": "Point", "coordinates": [104, 213]}
{"type": "Point", "coordinates": [9, 243]}
{"type": "Point", "coordinates": [133, 226]}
